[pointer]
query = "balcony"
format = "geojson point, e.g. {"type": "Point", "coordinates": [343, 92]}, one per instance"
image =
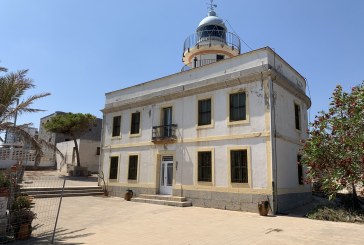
{"type": "Point", "coordinates": [164, 134]}
{"type": "Point", "coordinates": [209, 38]}
{"type": "Point", "coordinates": [198, 63]}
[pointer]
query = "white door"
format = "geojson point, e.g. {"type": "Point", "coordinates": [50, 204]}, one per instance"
{"type": "Point", "coordinates": [166, 175]}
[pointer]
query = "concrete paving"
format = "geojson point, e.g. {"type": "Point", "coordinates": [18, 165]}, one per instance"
{"type": "Point", "coordinates": [55, 179]}
{"type": "Point", "coordinates": [100, 220]}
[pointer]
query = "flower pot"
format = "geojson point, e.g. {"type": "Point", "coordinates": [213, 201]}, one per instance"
{"type": "Point", "coordinates": [128, 195]}
{"type": "Point", "coordinates": [24, 232]}
{"type": "Point", "coordinates": [263, 208]}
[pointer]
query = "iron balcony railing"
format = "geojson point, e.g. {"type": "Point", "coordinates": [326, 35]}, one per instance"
{"type": "Point", "coordinates": [209, 37]}
{"type": "Point", "coordinates": [164, 133]}
{"type": "Point", "coordinates": [198, 63]}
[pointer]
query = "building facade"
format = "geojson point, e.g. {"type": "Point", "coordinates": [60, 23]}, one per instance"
{"type": "Point", "coordinates": [224, 133]}
{"type": "Point", "coordinates": [90, 141]}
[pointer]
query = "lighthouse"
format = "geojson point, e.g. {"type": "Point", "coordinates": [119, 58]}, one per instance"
{"type": "Point", "coordinates": [210, 43]}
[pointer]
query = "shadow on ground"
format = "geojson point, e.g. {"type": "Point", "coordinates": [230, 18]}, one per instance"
{"type": "Point", "coordinates": [61, 236]}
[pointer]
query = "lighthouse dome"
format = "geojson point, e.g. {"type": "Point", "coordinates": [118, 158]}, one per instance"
{"type": "Point", "coordinates": [211, 20]}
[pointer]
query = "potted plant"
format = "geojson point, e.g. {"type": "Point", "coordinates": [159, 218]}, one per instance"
{"type": "Point", "coordinates": [4, 185]}
{"type": "Point", "coordinates": [21, 218]}
{"type": "Point", "coordinates": [263, 208]}
{"type": "Point", "coordinates": [128, 195]}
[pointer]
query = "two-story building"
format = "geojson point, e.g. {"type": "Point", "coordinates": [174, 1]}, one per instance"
{"type": "Point", "coordinates": [224, 133]}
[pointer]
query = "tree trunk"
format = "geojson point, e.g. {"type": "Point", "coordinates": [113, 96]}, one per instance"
{"type": "Point", "coordinates": [355, 199]}
{"type": "Point", "coordinates": [77, 153]}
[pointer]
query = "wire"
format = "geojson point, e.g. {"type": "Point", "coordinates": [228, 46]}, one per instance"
{"type": "Point", "coordinates": [238, 35]}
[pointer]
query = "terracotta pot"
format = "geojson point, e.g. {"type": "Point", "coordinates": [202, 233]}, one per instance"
{"type": "Point", "coordinates": [23, 233]}
{"type": "Point", "coordinates": [4, 192]}
{"type": "Point", "coordinates": [263, 208]}
{"type": "Point", "coordinates": [14, 168]}
{"type": "Point", "coordinates": [128, 195]}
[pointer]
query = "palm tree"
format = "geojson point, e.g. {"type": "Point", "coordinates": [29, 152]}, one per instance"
{"type": "Point", "coordinates": [13, 86]}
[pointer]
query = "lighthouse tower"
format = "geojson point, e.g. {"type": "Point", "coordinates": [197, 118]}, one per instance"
{"type": "Point", "coordinates": [210, 43]}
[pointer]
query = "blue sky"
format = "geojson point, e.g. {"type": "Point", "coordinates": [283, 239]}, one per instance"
{"type": "Point", "coordinates": [79, 50]}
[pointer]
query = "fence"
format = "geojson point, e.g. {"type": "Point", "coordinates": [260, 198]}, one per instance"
{"type": "Point", "coordinates": [11, 156]}
{"type": "Point", "coordinates": [29, 218]}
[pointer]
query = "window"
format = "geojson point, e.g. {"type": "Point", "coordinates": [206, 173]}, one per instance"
{"type": "Point", "coordinates": [98, 150]}
{"type": "Point", "coordinates": [204, 112]}
{"type": "Point", "coordinates": [297, 116]}
{"type": "Point", "coordinates": [300, 170]}
{"type": "Point", "coordinates": [135, 123]}
{"type": "Point", "coordinates": [116, 126]}
{"type": "Point", "coordinates": [114, 162]}
{"type": "Point", "coordinates": [133, 167]}
{"type": "Point", "coordinates": [239, 166]}
{"type": "Point", "coordinates": [219, 57]}
{"type": "Point", "coordinates": [204, 166]}
{"type": "Point", "coordinates": [238, 106]}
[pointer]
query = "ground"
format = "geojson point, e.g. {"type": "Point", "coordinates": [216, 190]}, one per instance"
{"type": "Point", "coordinates": [99, 220]}
{"type": "Point", "coordinates": [111, 220]}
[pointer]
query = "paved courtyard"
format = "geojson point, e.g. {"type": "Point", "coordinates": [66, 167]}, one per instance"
{"type": "Point", "coordinates": [99, 220]}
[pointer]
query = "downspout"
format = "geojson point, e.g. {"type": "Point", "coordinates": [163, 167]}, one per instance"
{"type": "Point", "coordinates": [274, 147]}
{"type": "Point", "coordinates": [101, 166]}
{"type": "Point", "coordinates": [273, 138]}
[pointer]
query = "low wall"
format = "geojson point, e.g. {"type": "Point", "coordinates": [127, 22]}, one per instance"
{"type": "Point", "coordinates": [206, 199]}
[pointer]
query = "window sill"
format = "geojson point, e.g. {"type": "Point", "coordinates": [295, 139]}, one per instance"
{"type": "Point", "coordinates": [134, 135]}
{"type": "Point", "coordinates": [113, 180]}
{"type": "Point", "coordinates": [116, 138]}
{"type": "Point", "coordinates": [241, 122]}
{"type": "Point", "coordinates": [205, 126]}
{"type": "Point", "coordinates": [132, 181]}
{"type": "Point", "coordinates": [240, 185]}
{"type": "Point", "coordinates": [204, 183]}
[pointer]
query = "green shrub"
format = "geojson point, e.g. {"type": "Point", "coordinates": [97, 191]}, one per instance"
{"type": "Point", "coordinates": [337, 214]}
{"type": "Point", "coordinates": [21, 202]}
{"type": "Point", "coordinates": [4, 181]}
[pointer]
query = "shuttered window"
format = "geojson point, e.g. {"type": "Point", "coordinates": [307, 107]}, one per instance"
{"type": "Point", "coordinates": [239, 166]}
{"type": "Point", "coordinates": [204, 112]}
{"type": "Point", "coordinates": [238, 106]}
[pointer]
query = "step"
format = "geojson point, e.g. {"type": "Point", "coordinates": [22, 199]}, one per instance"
{"type": "Point", "coordinates": [68, 195]}
{"type": "Point", "coordinates": [60, 188]}
{"type": "Point", "coordinates": [49, 192]}
{"type": "Point", "coordinates": [35, 193]}
{"type": "Point", "coordinates": [163, 197]}
{"type": "Point", "coordinates": [162, 202]}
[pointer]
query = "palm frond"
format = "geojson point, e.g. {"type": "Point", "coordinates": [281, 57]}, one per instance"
{"type": "Point", "coordinates": [23, 107]}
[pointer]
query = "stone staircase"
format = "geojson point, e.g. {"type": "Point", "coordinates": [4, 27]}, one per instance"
{"type": "Point", "coordinates": [49, 192]}
{"type": "Point", "coordinates": [163, 200]}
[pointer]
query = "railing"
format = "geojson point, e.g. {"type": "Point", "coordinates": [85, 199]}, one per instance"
{"type": "Point", "coordinates": [9, 156]}
{"type": "Point", "coordinates": [203, 38]}
{"type": "Point", "coordinates": [164, 133]}
{"type": "Point", "coordinates": [198, 63]}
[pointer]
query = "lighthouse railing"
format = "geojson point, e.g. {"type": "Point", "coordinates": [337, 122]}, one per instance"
{"type": "Point", "coordinates": [214, 37]}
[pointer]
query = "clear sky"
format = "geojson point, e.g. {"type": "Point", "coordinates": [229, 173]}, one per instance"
{"type": "Point", "coordinates": [80, 49]}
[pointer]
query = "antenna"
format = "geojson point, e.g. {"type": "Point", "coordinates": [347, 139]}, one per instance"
{"type": "Point", "coordinates": [211, 5]}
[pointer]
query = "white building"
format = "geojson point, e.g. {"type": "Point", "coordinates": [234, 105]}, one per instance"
{"type": "Point", "coordinates": [89, 151]}
{"type": "Point", "coordinates": [223, 134]}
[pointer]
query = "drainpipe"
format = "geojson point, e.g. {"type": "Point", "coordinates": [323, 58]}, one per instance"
{"type": "Point", "coordinates": [101, 147]}
{"type": "Point", "coordinates": [274, 147]}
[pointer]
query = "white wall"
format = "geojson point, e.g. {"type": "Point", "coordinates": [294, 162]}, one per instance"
{"type": "Point", "coordinates": [87, 150]}
{"type": "Point", "coordinates": [289, 139]}
{"type": "Point", "coordinates": [185, 116]}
